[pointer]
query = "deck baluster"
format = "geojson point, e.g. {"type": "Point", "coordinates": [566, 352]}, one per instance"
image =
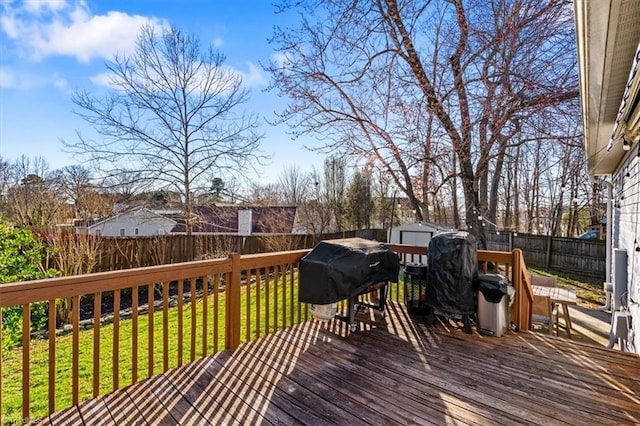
{"type": "Point", "coordinates": [134, 334]}
{"type": "Point", "coordinates": [26, 337]}
{"type": "Point", "coordinates": [97, 314]}
{"type": "Point", "coordinates": [52, 355]}
{"type": "Point", "coordinates": [193, 282]}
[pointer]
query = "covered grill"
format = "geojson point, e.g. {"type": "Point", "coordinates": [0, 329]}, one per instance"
{"type": "Point", "coordinates": [336, 270]}
{"type": "Point", "coordinates": [452, 273]}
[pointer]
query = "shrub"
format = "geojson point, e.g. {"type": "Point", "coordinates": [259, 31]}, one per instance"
{"type": "Point", "coordinates": [21, 256]}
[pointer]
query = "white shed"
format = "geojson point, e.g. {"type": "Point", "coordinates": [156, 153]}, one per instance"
{"type": "Point", "coordinates": [140, 222]}
{"type": "Point", "coordinates": [416, 234]}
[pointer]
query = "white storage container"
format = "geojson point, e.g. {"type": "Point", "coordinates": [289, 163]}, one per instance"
{"type": "Point", "coordinates": [493, 318]}
{"type": "Point", "coordinates": [324, 312]}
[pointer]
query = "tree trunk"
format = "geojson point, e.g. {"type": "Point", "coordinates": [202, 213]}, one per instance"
{"type": "Point", "coordinates": [516, 189]}
{"type": "Point", "coordinates": [454, 193]}
{"type": "Point", "coordinates": [495, 184]}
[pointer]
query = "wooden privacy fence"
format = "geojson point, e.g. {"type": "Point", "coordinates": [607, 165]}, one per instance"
{"type": "Point", "coordinates": [217, 304]}
{"type": "Point", "coordinates": [116, 253]}
{"type": "Point", "coordinates": [581, 257]}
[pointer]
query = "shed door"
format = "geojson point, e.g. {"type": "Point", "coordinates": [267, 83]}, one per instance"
{"type": "Point", "coordinates": [414, 238]}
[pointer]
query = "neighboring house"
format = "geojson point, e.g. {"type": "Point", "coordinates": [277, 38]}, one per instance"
{"type": "Point", "coordinates": [81, 226]}
{"type": "Point", "coordinates": [139, 222]}
{"type": "Point", "coordinates": [608, 36]}
{"type": "Point", "coordinates": [243, 220]}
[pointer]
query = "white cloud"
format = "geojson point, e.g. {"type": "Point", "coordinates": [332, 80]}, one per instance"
{"type": "Point", "coordinates": [217, 42]}
{"type": "Point", "coordinates": [21, 79]}
{"type": "Point", "coordinates": [254, 77]}
{"type": "Point", "coordinates": [281, 59]}
{"type": "Point", "coordinates": [60, 83]}
{"type": "Point", "coordinates": [13, 79]}
{"type": "Point", "coordinates": [103, 79]}
{"type": "Point", "coordinates": [7, 78]}
{"type": "Point", "coordinates": [43, 6]}
{"type": "Point", "coordinates": [49, 28]}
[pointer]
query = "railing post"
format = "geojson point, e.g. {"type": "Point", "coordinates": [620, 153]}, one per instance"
{"type": "Point", "coordinates": [520, 291]}
{"type": "Point", "coordinates": [516, 275]}
{"type": "Point", "coordinates": [232, 299]}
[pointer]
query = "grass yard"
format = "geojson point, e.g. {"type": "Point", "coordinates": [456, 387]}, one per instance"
{"type": "Point", "coordinates": [590, 292]}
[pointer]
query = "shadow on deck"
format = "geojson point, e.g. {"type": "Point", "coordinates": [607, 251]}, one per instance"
{"type": "Point", "coordinates": [393, 371]}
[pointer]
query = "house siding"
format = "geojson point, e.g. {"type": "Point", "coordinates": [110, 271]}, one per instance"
{"type": "Point", "coordinates": [625, 232]}
{"type": "Point", "coordinates": [144, 221]}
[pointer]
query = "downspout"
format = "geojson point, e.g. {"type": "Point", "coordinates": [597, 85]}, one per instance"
{"type": "Point", "coordinates": [608, 287]}
{"type": "Point", "coordinates": [609, 186]}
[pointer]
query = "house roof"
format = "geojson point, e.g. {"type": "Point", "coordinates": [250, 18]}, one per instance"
{"type": "Point", "coordinates": [135, 211]}
{"type": "Point", "coordinates": [608, 35]}
{"type": "Point", "coordinates": [224, 219]}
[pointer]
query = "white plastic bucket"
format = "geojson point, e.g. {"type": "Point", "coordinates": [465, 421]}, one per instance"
{"type": "Point", "coordinates": [324, 312]}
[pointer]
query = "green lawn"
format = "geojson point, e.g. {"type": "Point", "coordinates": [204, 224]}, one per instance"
{"type": "Point", "coordinates": [590, 292]}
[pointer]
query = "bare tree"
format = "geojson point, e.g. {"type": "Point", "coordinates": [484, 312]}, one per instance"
{"type": "Point", "coordinates": [315, 213]}
{"type": "Point", "coordinates": [32, 199]}
{"type": "Point", "coordinates": [265, 195]}
{"type": "Point", "coordinates": [5, 179]}
{"type": "Point", "coordinates": [172, 116]}
{"type": "Point", "coordinates": [125, 185]}
{"type": "Point", "coordinates": [75, 183]}
{"type": "Point", "coordinates": [478, 70]}
{"type": "Point", "coordinates": [295, 185]}
{"type": "Point", "coordinates": [335, 182]}
{"type": "Point", "coordinates": [359, 203]}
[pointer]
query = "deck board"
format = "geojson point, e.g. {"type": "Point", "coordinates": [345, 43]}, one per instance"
{"type": "Point", "coordinates": [123, 410]}
{"type": "Point", "coordinates": [393, 371]}
{"type": "Point", "coordinates": [95, 411]}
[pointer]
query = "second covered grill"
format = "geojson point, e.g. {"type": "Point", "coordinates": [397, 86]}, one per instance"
{"type": "Point", "coordinates": [451, 278]}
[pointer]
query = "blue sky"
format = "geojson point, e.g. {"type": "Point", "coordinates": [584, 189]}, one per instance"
{"type": "Point", "coordinates": [50, 48]}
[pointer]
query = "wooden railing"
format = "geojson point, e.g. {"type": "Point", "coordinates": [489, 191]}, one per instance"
{"type": "Point", "coordinates": [513, 267]}
{"type": "Point", "coordinates": [228, 301]}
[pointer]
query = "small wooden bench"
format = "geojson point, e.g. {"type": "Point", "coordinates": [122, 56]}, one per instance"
{"type": "Point", "coordinates": [542, 309]}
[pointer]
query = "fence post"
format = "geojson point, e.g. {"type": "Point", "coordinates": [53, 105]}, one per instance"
{"type": "Point", "coordinates": [548, 257]}
{"type": "Point", "coordinates": [232, 299]}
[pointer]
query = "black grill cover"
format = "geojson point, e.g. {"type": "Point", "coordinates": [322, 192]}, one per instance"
{"type": "Point", "coordinates": [338, 269]}
{"type": "Point", "coordinates": [452, 270]}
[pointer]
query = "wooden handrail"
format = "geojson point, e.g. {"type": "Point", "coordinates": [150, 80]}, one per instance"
{"type": "Point", "coordinates": [266, 282]}
{"type": "Point", "coordinates": [63, 287]}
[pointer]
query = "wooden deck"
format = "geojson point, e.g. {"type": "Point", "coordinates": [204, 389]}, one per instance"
{"type": "Point", "coordinates": [393, 371]}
